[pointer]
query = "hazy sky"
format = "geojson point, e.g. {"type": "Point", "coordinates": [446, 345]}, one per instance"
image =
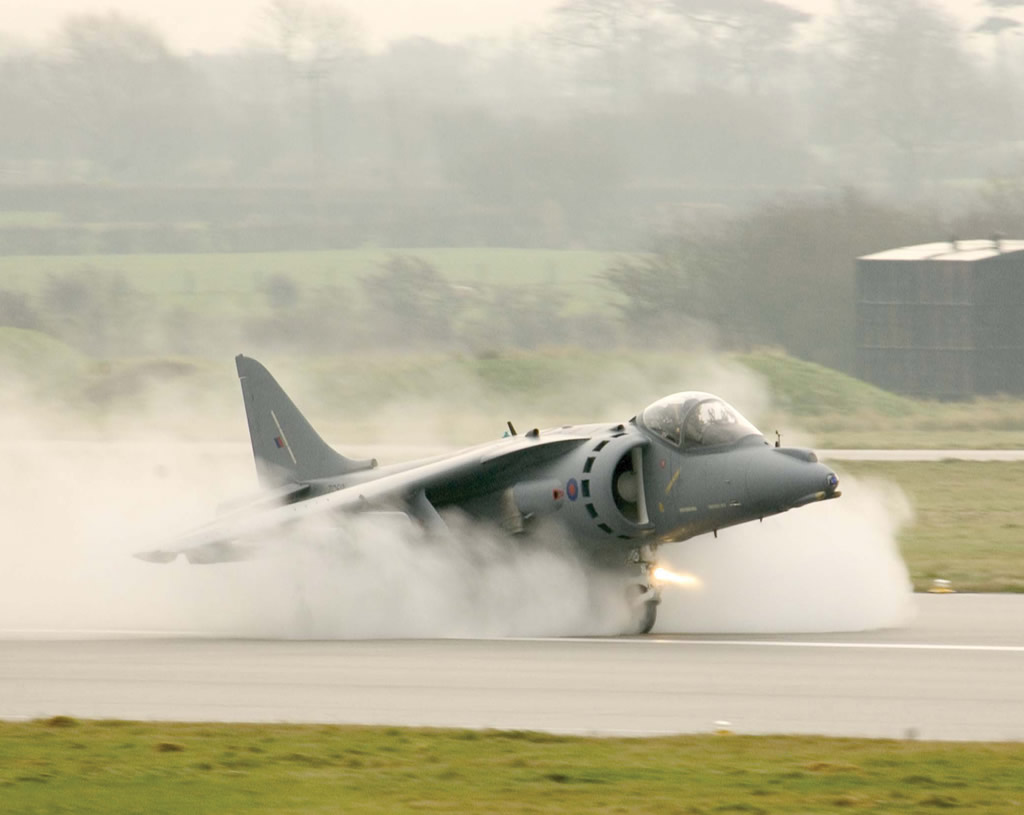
{"type": "Point", "coordinates": [206, 25]}
{"type": "Point", "coordinates": [215, 24]}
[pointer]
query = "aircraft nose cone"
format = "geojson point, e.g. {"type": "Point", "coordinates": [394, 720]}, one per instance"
{"type": "Point", "coordinates": [820, 485]}
{"type": "Point", "coordinates": [781, 479]}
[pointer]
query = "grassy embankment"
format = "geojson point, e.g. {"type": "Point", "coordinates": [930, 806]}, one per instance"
{"type": "Point", "coordinates": [811, 404]}
{"type": "Point", "coordinates": [840, 411]}
{"type": "Point", "coordinates": [62, 765]}
{"type": "Point", "coordinates": [229, 288]}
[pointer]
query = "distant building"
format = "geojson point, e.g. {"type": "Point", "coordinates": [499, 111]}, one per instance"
{"type": "Point", "coordinates": [943, 320]}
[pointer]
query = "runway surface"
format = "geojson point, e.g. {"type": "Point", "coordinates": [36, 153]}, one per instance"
{"type": "Point", "coordinates": [956, 673]}
{"type": "Point", "coordinates": [921, 455]}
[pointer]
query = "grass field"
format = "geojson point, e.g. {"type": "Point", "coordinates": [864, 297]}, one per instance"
{"type": "Point", "coordinates": [63, 765]}
{"type": "Point", "coordinates": [240, 276]}
{"type": "Point", "coordinates": [242, 272]}
{"type": "Point", "coordinates": [968, 522]}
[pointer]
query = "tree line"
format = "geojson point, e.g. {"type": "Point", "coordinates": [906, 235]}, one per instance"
{"type": "Point", "coordinates": [781, 275]}
{"type": "Point", "coordinates": [615, 120]}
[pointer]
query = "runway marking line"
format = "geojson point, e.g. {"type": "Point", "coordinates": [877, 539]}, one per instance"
{"type": "Point", "coordinates": [65, 636]}
{"type": "Point", "coordinates": [883, 646]}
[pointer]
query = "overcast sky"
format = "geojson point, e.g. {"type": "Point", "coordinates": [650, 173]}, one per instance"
{"type": "Point", "coordinates": [210, 25]}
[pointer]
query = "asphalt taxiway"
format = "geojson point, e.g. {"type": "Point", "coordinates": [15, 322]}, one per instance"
{"type": "Point", "coordinates": [956, 672]}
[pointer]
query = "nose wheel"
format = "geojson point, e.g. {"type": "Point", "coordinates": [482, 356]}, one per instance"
{"type": "Point", "coordinates": [647, 605]}
{"type": "Point", "coordinates": [644, 595]}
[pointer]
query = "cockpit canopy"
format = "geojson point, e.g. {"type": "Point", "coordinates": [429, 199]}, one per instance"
{"type": "Point", "coordinates": [694, 419]}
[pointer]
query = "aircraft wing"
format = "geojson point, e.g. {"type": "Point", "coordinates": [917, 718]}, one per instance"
{"type": "Point", "coordinates": [460, 476]}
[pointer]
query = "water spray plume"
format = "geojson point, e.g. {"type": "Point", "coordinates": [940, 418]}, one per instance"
{"type": "Point", "coordinates": [830, 567]}
{"type": "Point", "coordinates": [834, 566]}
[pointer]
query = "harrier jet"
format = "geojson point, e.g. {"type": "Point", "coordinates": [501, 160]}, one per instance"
{"type": "Point", "coordinates": [686, 465]}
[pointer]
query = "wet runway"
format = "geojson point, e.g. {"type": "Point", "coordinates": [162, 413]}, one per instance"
{"type": "Point", "coordinates": [921, 455]}
{"type": "Point", "coordinates": [957, 672]}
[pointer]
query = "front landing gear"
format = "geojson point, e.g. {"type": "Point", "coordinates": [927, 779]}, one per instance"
{"type": "Point", "coordinates": [644, 595]}
{"type": "Point", "coordinates": [648, 608]}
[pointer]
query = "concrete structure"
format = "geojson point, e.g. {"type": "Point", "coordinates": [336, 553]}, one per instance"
{"type": "Point", "coordinates": [943, 320]}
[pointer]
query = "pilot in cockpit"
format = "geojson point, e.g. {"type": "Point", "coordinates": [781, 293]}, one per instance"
{"type": "Point", "coordinates": [693, 419]}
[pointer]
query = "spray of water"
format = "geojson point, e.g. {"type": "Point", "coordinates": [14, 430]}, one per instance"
{"type": "Point", "coordinates": [81, 510]}
{"type": "Point", "coordinates": [829, 567]}
{"type": "Point", "coordinates": [370, 578]}
{"type": "Point", "coordinates": [77, 510]}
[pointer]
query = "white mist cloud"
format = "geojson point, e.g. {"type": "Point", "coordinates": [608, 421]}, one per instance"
{"type": "Point", "coordinates": [828, 567]}
{"type": "Point", "coordinates": [77, 510]}
{"type": "Point", "coordinates": [385, 579]}
{"type": "Point", "coordinates": [80, 509]}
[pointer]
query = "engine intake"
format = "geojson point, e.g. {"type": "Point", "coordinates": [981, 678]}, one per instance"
{"type": "Point", "coordinates": [612, 486]}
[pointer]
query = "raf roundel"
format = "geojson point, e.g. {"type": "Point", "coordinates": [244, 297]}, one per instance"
{"type": "Point", "coordinates": [572, 489]}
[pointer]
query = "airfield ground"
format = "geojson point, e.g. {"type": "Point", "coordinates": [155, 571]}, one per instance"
{"type": "Point", "coordinates": [967, 527]}
{"type": "Point", "coordinates": [64, 765]}
{"type": "Point", "coordinates": [968, 522]}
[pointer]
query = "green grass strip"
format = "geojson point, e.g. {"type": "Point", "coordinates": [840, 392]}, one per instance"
{"type": "Point", "coordinates": [968, 524]}
{"type": "Point", "coordinates": [64, 765]}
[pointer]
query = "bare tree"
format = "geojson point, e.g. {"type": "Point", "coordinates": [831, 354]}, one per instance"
{"type": "Point", "coordinates": [315, 40]}
{"type": "Point", "coordinates": [749, 37]}
{"type": "Point", "coordinates": [616, 42]}
{"type": "Point", "coordinates": [130, 101]}
{"type": "Point", "coordinates": [312, 35]}
{"type": "Point", "coordinates": [998, 25]}
{"type": "Point", "coordinates": [409, 302]}
{"type": "Point", "coordinates": [901, 83]}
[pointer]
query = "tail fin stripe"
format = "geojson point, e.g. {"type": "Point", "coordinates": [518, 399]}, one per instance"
{"type": "Point", "coordinates": [283, 438]}
{"type": "Point", "coordinates": [270, 412]}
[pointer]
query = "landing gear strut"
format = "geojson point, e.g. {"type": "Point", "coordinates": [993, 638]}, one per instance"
{"type": "Point", "coordinates": [644, 594]}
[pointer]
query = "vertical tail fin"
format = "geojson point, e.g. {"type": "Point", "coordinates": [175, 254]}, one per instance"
{"type": "Point", "coordinates": [285, 446]}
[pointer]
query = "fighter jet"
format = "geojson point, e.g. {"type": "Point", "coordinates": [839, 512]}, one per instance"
{"type": "Point", "coordinates": [687, 465]}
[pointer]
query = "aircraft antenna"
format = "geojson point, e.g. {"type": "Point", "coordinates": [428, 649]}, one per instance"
{"type": "Point", "coordinates": [511, 429]}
